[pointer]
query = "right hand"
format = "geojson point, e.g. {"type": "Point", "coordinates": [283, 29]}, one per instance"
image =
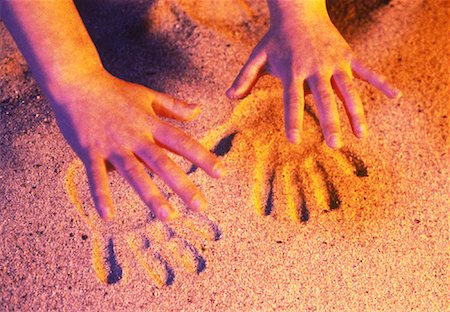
{"type": "Point", "coordinates": [304, 49]}
{"type": "Point", "coordinates": [111, 122]}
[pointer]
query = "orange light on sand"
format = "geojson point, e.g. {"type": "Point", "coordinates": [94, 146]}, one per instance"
{"type": "Point", "coordinates": [298, 172]}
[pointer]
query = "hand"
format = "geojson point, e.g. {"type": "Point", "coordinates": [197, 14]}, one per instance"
{"type": "Point", "coordinates": [303, 48]}
{"type": "Point", "coordinates": [111, 122]}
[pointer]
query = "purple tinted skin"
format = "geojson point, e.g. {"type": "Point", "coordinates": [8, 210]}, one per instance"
{"type": "Point", "coordinates": [107, 121]}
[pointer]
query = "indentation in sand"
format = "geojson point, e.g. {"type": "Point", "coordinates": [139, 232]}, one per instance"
{"type": "Point", "coordinates": [159, 249]}
{"type": "Point", "coordinates": [297, 173]}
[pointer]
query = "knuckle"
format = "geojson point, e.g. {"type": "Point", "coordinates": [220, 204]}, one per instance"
{"type": "Point", "coordinates": [353, 96]}
{"type": "Point", "coordinates": [325, 96]}
{"type": "Point", "coordinates": [357, 118]}
{"type": "Point", "coordinates": [131, 167]}
{"type": "Point", "coordinates": [298, 69]}
{"type": "Point", "coordinates": [153, 199]}
{"type": "Point", "coordinates": [159, 160]}
{"type": "Point", "coordinates": [186, 142]}
{"type": "Point", "coordinates": [250, 71]}
{"type": "Point", "coordinates": [357, 112]}
{"type": "Point", "coordinates": [339, 75]}
{"type": "Point", "coordinates": [293, 99]}
{"type": "Point", "coordinates": [171, 103]}
{"type": "Point", "coordinates": [331, 127]}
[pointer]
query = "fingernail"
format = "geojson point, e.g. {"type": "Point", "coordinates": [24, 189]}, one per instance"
{"type": "Point", "coordinates": [197, 203]}
{"type": "Point", "coordinates": [163, 213]}
{"type": "Point", "coordinates": [230, 93]}
{"type": "Point", "coordinates": [219, 170]}
{"type": "Point", "coordinates": [107, 214]}
{"type": "Point", "coordinates": [334, 141]}
{"type": "Point", "coordinates": [362, 131]}
{"type": "Point", "coordinates": [104, 216]}
{"type": "Point", "coordinates": [394, 94]}
{"type": "Point", "coordinates": [234, 94]}
{"type": "Point", "coordinates": [294, 136]}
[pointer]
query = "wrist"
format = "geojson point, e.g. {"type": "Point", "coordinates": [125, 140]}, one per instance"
{"type": "Point", "coordinates": [61, 75]}
{"type": "Point", "coordinates": [62, 89]}
{"type": "Point", "coordinates": [285, 12]}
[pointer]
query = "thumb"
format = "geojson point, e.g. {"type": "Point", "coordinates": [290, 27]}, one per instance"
{"type": "Point", "coordinates": [248, 76]}
{"type": "Point", "coordinates": [170, 107]}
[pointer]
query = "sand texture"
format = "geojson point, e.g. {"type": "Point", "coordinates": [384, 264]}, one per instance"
{"type": "Point", "coordinates": [291, 228]}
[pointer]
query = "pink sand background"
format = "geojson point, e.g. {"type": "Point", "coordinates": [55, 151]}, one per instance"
{"type": "Point", "coordinates": [384, 249]}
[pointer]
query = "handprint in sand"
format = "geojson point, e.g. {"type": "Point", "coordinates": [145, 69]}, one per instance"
{"type": "Point", "coordinates": [142, 244]}
{"type": "Point", "coordinates": [301, 176]}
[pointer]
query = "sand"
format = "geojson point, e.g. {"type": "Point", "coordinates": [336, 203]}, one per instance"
{"type": "Point", "coordinates": [291, 228]}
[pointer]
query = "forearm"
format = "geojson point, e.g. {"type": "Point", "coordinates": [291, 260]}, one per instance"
{"type": "Point", "coordinates": [52, 38]}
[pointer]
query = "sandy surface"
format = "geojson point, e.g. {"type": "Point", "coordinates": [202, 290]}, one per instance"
{"type": "Point", "coordinates": [301, 227]}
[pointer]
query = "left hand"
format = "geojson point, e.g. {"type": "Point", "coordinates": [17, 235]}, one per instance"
{"type": "Point", "coordinates": [113, 123]}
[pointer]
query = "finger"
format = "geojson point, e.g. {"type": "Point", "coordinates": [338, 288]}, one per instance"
{"type": "Point", "coordinates": [378, 81]}
{"type": "Point", "coordinates": [344, 88]}
{"type": "Point", "coordinates": [182, 144]}
{"type": "Point", "coordinates": [294, 103]}
{"type": "Point", "coordinates": [327, 109]}
{"type": "Point", "coordinates": [170, 107]}
{"type": "Point", "coordinates": [163, 166]}
{"type": "Point", "coordinates": [98, 184]}
{"type": "Point", "coordinates": [134, 173]}
{"type": "Point", "coordinates": [249, 74]}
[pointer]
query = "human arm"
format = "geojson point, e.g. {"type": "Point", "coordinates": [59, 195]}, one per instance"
{"type": "Point", "coordinates": [305, 50]}
{"type": "Point", "coordinates": [107, 121]}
